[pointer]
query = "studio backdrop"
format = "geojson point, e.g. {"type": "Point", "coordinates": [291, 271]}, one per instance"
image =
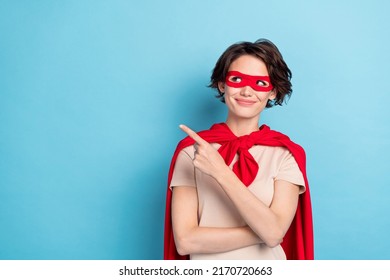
{"type": "Point", "coordinates": [92, 93]}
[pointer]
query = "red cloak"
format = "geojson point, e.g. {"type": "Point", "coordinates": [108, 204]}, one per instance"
{"type": "Point", "coordinates": [298, 243]}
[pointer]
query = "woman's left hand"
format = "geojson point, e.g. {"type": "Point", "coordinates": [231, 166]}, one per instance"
{"type": "Point", "coordinates": [206, 158]}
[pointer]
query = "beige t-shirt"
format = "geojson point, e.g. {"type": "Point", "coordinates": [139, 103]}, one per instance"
{"type": "Point", "coordinates": [215, 207]}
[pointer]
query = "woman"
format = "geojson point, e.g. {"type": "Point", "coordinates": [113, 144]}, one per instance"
{"type": "Point", "coordinates": [237, 190]}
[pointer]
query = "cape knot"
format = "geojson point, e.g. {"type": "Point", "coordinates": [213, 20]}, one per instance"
{"type": "Point", "coordinates": [245, 143]}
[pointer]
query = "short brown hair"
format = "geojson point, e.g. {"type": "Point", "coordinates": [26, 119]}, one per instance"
{"type": "Point", "coordinates": [279, 73]}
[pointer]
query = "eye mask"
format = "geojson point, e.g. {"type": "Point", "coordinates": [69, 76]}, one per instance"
{"type": "Point", "coordinates": [237, 80]}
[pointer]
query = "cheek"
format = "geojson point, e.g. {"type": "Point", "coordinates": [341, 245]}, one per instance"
{"type": "Point", "coordinates": [261, 96]}
{"type": "Point", "coordinates": [230, 91]}
{"type": "Point", "coordinates": [264, 96]}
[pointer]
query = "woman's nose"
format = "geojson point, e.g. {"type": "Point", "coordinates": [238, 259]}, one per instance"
{"type": "Point", "coordinates": [246, 91]}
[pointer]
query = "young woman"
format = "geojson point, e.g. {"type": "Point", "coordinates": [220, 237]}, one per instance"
{"type": "Point", "coordinates": [237, 190]}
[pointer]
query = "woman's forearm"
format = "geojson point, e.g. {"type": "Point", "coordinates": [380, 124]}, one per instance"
{"type": "Point", "coordinates": [269, 223]}
{"type": "Point", "coordinates": [190, 238]}
{"type": "Point", "coordinates": [215, 240]}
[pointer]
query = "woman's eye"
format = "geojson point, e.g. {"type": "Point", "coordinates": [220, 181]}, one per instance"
{"type": "Point", "coordinates": [235, 79]}
{"type": "Point", "coordinates": [262, 83]}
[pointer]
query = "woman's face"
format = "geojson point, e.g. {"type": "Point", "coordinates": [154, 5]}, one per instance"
{"type": "Point", "coordinates": [243, 99]}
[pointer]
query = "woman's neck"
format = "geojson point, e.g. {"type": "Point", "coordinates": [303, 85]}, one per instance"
{"type": "Point", "coordinates": [242, 126]}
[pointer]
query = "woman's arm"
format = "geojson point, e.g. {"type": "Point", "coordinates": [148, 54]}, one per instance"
{"type": "Point", "coordinates": [269, 223]}
{"type": "Point", "coordinates": [191, 239]}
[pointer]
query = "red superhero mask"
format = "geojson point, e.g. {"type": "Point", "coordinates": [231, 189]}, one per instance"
{"type": "Point", "coordinates": [258, 83]}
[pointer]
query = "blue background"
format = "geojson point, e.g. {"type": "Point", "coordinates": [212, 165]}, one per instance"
{"type": "Point", "coordinates": [92, 93]}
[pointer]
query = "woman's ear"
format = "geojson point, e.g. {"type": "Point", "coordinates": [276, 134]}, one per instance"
{"type": "Point", "coordinates": [272, 95]}
{"type": "Point", "coordinates": [221, 87]}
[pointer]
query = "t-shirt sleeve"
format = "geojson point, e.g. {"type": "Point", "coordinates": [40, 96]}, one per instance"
{"type": "Point", "coordinates": [289, 171]}
{"type": "Point", "coordinates": [184, 170]}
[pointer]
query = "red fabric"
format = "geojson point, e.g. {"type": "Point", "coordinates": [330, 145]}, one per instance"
{"type": "Point", "coordinates": [298, 243]}
{"type": "Point", "coordinates": [248, 80]}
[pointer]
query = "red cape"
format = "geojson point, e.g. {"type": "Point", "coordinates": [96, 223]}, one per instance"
{"type": "Point", "coordinates": [298, 243]}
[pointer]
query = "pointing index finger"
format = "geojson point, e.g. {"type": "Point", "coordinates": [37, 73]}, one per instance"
{"type": "Point", "coordinates": [192, 134]}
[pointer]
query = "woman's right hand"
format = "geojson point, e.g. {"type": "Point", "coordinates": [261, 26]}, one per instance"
{"type": "Point", "coordinates": [206, 158]}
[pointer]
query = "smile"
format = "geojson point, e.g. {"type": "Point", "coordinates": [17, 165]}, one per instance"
{"type": "Point", "coordinates": [245, 102]}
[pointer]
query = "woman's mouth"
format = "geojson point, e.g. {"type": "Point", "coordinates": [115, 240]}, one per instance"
{"type": "Point", "coordinates": [245, 102]}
